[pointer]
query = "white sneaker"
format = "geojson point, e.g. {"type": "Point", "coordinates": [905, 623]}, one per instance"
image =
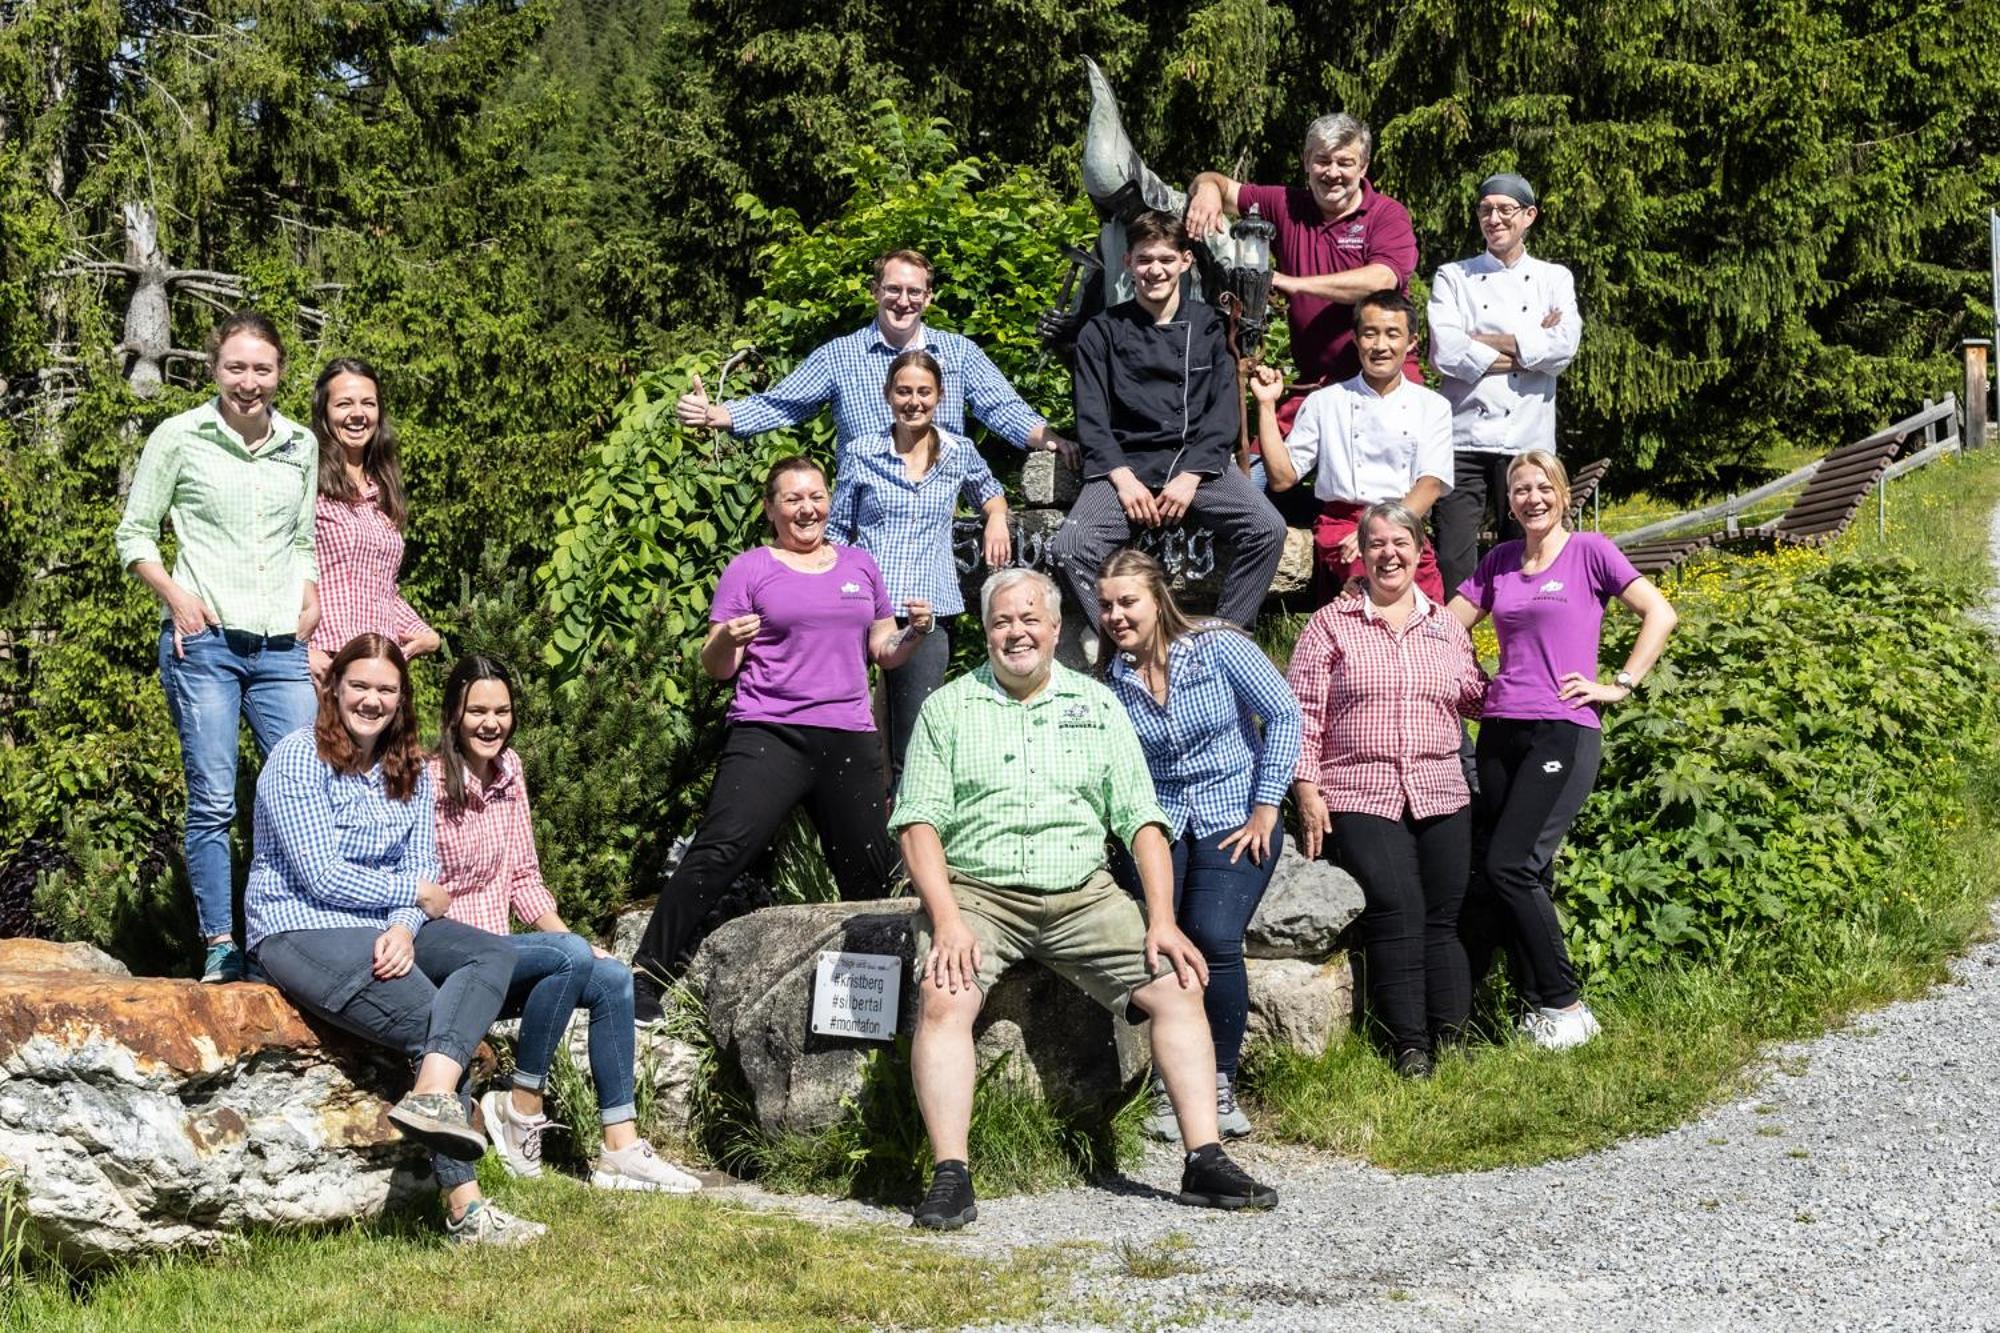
{"type": "Point", "coordinates": [640, 1168]}
{"type": "Point", "coordinates": [486, 1223]}
{"type": "Point", "coordinates": [1561, 1029]}
{"type": "Point", "coordinates": [518, 1141]}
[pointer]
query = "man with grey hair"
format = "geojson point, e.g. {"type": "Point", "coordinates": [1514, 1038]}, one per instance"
{"type": "Point", "coordinates": [1016, 774]}
{"type": "Point", "coordinates": [1504, 324]}
{"type": "Point", "coordinates": [1339, 240]}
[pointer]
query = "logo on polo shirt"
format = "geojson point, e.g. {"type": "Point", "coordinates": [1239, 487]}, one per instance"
{"type": "Point", "coordinates": [1077, 715]}
{"type": "Point", "coordinates": [1552, 591]}
{"type": "Point", "coordinates": [1353, 237]}
{"type": "Point", "coordinates": [851, 589]}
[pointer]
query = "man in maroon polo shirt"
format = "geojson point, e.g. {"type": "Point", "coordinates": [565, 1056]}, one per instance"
{"type": "Point", "coordinates": [1338, 241]}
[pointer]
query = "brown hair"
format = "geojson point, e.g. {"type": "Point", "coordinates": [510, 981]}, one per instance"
{"type": "Point", "coordinates": [1551, 466]}
{"type": "Point", "coordinates": [1133, 563]}
{"type": "Point", "coordinates": [906, 256]}
{"type": "Point", "coordinates": [253, 322]}
{"type": "Point", "coordinates": [789, 463]}
{"type": "Point", "coordinates": [469, 671]}
{"type": "Point", "coordinates": [378, 459]}
{"type": "Point", "coordinates": [401, 757]}
{"type": "Point", "coordinates": [1157, 225]}
{"type": "Point", "coordinates": [913, 356]}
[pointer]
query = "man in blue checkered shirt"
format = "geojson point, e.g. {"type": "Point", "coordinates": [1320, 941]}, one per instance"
{"type": "Point", "coordinates": [849, 373]}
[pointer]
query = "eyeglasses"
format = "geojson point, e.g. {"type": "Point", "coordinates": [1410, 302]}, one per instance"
{"type": "Point", "coordinates": [895, 293]}
{"type": "Point", "coordinates": [1505, 212]}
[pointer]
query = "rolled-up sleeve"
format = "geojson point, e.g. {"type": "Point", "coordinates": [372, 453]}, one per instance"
{"type": "Point", "coordinates": [1258, 683]}
{"type": "Point", "coordinates": [1129, 803]}
{"type": "Point", "coordinates": [1549, 351]}
{"type": "Point", "coordinates": [138, 532]}
{"type": "Point", "coordinates": [991, 399]}
{"type": "Point", "coordinates": [1454, 352]}
{"type": "Point", "coordinates": [924, 795]}
{"type": "Point", "coordinates": [980, 485]}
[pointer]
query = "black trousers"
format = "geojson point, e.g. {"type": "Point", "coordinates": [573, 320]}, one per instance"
{"type": "Point", "coordinates": [764, 772]}
{"type": "Point", "coordinates": [1534, 777]}
{"type": "Point", "coordinates": [1412, 874]}
{"type": "Point", "coordinates": [1479, 482]}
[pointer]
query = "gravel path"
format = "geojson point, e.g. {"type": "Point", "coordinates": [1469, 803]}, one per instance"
{"type": "Point", "coordinates": [1857, 1187]}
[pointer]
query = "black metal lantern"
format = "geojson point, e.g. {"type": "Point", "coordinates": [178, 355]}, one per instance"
{"type": "Point", "coordinates": [1246, 295]}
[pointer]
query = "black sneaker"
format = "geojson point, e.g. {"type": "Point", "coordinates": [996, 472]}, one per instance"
{"type": "Point", "coordinates": [949, 1205]}
{"type": "Point", "coordinates": [1414, 1063]}
{"type": "Point", "coordinates": [648, 1003]}
{"type": "Point", "coordinates": [1212, 1180]}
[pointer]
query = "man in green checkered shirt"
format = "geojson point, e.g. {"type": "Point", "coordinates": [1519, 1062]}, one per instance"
{"type": "Point", "coordinates": [1014, 778]}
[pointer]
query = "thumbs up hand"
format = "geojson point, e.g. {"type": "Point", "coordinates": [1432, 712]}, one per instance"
{"type": "Point", "coordinates": [693, 408]}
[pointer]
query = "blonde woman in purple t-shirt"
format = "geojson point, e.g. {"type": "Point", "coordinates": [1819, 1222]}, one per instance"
{"type": "Point", "coordinates": [795, 624]}
{"type": "Point", "coordinates": [1540, 738]}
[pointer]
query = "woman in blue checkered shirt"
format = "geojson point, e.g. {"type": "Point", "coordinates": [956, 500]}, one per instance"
{"type": "Point", "coordinates": [1197, 695]}
{"type": "Point", "coordinates": [895, 499]}
{"type": "Point", "coordinates": [346, 916]}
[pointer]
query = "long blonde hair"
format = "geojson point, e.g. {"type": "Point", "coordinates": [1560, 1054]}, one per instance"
{"type": "Point", "coordinates": [1133, 563]}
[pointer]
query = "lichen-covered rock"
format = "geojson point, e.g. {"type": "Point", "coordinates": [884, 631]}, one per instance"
{"type": "Point", "coordinates": [140, 1114]}
{"type": "Point", "coordinates": [1304, 910]}
{"type": "Point", "coordinates": [755, 976]}
{"type": "Point", "coordinates": [1299, 1005]}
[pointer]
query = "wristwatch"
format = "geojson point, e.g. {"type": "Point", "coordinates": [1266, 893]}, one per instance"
{"type": "Point", "coordinates": [1625, 680]}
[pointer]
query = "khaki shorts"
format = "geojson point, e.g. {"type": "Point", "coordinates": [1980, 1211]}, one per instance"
{"type": "Point", "coordinates": [1092, 936]}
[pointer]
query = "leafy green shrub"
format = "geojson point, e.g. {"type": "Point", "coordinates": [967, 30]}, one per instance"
{"type": "Point", "coordinates": [1814, 718]}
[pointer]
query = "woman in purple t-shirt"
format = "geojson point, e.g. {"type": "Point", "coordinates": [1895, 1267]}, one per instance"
{"type": "Point", "coordinates": [795, 624]}
{"type": "Point", "coordinates": [1540, 741]}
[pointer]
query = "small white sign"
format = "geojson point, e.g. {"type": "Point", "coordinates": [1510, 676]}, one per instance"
{"type": "Point", "coordinates": [857, 994]}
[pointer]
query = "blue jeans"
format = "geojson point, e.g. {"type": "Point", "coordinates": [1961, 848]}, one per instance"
{"type": "Point", "coordinates": [1213, 904]}
{"type": "Point", "coordinates": [442, 1006]}
{"type": "Point", "coordinates": [226, 675]}
{"type": "Point", "coordinates": [555, 972]}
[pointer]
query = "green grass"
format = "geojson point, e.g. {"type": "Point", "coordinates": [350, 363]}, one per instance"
{"type": "Point", "coordinates": [610, 1262]}
{"type": "Point", "coordinates": [1683, 1037]}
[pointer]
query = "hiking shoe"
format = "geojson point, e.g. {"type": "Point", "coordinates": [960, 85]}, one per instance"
{"type": "Point", "coordinates": [640, 1168]}
{"type": "Point", "coordinates": [223, 964]}
{"type": "Point", "coordinates": [486, 1223]}
{"type": "Point", "coordinates": [950, 1204]}
{"type": "Point", "coordinates": [1561, 1029]}
{"type": "Point", "coordinates": [1211, 1180]}
{"type": "Point", "coordinates": [1160, 1123]}
{"type": "Point", "coordinates": [517, 1138]}
{"type": "Point", "coordinates": [1229, 1117]}
{"type": "Point", "coordinates": [1414, 1063]}
{"type": "Point", "coordinates": [437, 1120]}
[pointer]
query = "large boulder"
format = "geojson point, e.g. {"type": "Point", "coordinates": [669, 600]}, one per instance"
{"type": "Point", "coordinates": [1299, 1005]}
{"type": "Point", "coordinates": [139, 1114]}
{"type": "Point", "coordinates": [755, 976]}
{"type": "Point", "coordinates": [1306, 906]}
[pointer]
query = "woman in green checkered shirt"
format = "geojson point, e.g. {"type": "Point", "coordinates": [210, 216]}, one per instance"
{"type": "Point", "coordinates": [237, 480]}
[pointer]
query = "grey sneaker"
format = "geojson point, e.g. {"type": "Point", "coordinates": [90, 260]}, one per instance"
{"type": "Point", "coordinates": [1160, 1123]}
{"type": "Point", "coordinates": [518, 1141]}
{"type": "Point", "coordinates": [640, 1168]}
{"type": "Point", "coordinates": [1229, 1117]}
{"type": "Point", "coordinates": [486, 1223]}
{"type": "Point", "coordinates": [436, 1120]}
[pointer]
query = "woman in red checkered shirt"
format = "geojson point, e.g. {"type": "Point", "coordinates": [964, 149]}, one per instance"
{"type": "Point", "coordinates": [1383, 677]}
{"type": "Point", "coordinates": [486, 851]}
{"type": "Point", "coordinates": [358, 519]}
